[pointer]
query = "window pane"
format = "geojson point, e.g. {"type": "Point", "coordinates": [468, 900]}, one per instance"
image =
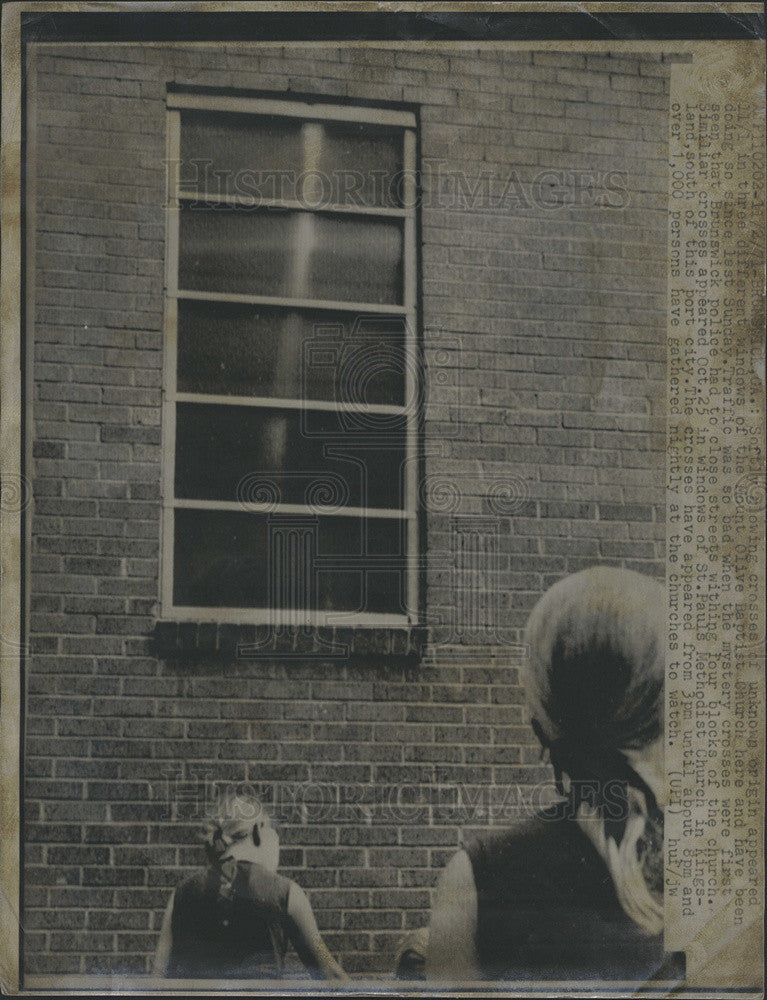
{"type": "Point", "coordinates": [239, 350]}
{"type": "Point", "coordinates": [360, 164]}
{"type": "Point", "coordinates": [235, 453]}
{"type": "Point", "coordinates": [265, 157]}
{"type": "Point", "coordinates": [223, 153]}
{"type": "Point", "coordinates": [225, 559]}
{"type": "Point", "coordinates": [290, 254]}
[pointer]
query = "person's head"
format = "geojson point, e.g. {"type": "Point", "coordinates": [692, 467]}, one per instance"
{"type": "Point", "coordinates": [594, 684]}
{"type": "Point", "coordinates": [241, 830]}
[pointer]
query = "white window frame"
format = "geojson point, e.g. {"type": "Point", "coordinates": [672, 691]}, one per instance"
{"type": "Point", "coordinates": [171, 396]}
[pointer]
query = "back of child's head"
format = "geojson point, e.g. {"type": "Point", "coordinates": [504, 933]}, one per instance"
{"type": "Point", "coordinates": [235, 818]}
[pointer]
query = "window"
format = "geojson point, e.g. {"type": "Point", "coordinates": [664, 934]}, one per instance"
{"type": "Point", "coordinates": [291, 389]}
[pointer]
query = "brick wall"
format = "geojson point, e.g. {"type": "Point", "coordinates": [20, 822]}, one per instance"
{"type": "Point", "coordinates": [544, 342]}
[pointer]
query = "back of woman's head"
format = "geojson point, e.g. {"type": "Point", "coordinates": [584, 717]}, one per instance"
{"type": "Point", "coordinates": [594, 682]}
{"type": "Point", "coordinates": [596, 656]}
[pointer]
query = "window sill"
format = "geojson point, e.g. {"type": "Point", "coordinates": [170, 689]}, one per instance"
{"type": "Point", "coordinates": [176, 640]}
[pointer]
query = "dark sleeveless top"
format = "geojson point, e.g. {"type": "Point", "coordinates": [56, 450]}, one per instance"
{"type": "Point", "coordinates": [230, 927]}
{"type": "Point", "coordinates": [547, 909]}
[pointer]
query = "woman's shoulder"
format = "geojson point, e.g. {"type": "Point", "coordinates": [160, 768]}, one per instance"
{"type": "Point", "coordinates": [532, 852]}
{"type": "Point", "coordinates": [527, 835]}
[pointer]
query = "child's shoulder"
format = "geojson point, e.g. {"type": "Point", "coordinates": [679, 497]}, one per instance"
{"type": "Point", "coordinates": [194, 886]}
{"type": "Point", "coordinates": [268, 888]}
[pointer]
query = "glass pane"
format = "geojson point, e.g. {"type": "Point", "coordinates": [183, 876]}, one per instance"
{"type": "Point", "coordinates": [240, 350]}
{"type": "Point", "coordinates": [223, 153]}
{"type": "Point", "coordinates": [267, 157]}
{"type": "Point", "coordinates": [236, 453]}
{"type": "Point", "coordinates": [232, 559]}
{"type": "Point", "coordinates": [290, 254]}
{"type": "Point", "coordinates": [360, 164]}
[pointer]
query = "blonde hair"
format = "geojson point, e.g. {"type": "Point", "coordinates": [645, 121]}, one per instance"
{"type": "Point", "coordinates": [594, 684]}
{"type": "Point", "coordinates": [235, 817]}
